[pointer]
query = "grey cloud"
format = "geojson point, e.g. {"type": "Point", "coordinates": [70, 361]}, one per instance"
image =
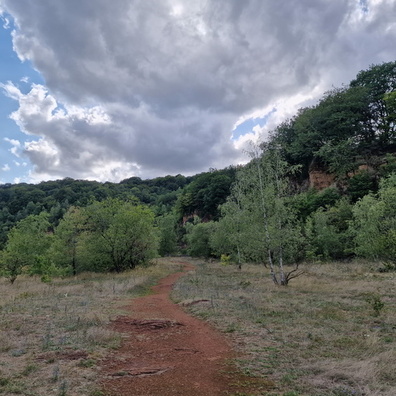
{"type": "Point", "coordinates": [175, 80]}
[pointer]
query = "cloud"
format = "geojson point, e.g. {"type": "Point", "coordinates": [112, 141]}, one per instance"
{"type": "Point", "coordinates": [16, 145]}
{"type": "Point", "coordinates": [6, 168]}
{"type": "Point", "coordinates": [150, 88]}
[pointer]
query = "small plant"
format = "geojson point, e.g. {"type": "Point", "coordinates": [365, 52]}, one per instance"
{"type": "Point", "coordinates": [225, 259]}
{"type": "Point", "coordinates": [30, 368]}
{"type": "Point", "coordinates": [87, 363]}
{"type": "Point", "coordinates": [387, 267]}
{"type": "Point", "coordinates": [374, 300]}
{"type": "Point", "coordinates": [55, 374]}
{"type": "Point", "coordinates": [46, 278]}
{"type": "Point", "coordinates": [63, 389]}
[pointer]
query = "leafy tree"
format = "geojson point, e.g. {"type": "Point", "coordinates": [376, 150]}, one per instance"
{"type": "Point", "coordinates": [380, 82]}
{"type": "Point", "coordinates": [198, 239]}
{"type": "Point", "coordinates": [119, 236]}
{"type": "Point", "coordinates": [64, 250]}
{"type": "Point", "coordinates": [27, 244]}
{"type": "Point", "coordinates": [361, 184]}
{"type": "Point", "coordinates": [204, 195]}
{"type": "Point", "coordinates": [374, 223]}
{"type": "Point", "coordinates": [267, 229]}
{"type": "Point", "coordinates": [168, 237]}
{"type": "Point", "coordinates": [310, 201]}
{"type": "Point", "coordinates": [327, 232]}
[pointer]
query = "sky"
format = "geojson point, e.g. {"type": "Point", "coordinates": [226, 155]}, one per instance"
{"type": "Point", "coordinates": [106, 90]}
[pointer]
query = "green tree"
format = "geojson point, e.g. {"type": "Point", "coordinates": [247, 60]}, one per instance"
{"type": "Point", "coordinates": [168, 237]}
{"type": "Point", "coordinates": [374, 223]}
{"type": "Point", "coordinates": [198, 239]}
{"type": "Point", "coordinates": [26, 247]}
{"type": "Point", "coordinates": [327, 232]}
{"type": "Point", "coordinates": [119, 236]}
{"type": "Point", "coordinates": [64, 251]}
{"type": "Point", "coordinates": [380, 83]}
{"type": "Point", "coordinates": [268, 228]}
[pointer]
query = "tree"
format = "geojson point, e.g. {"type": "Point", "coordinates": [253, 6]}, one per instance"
{"type": "Point", "coordinates": [198, 238]}
{"type": "Point", "coordinates": [374, 223]}
{"type": "Point", "coordinates": [327, 231]}
{"type": "Point", "coordinates": [119, 236]}
{"type": "Point", "coordinates": [168, 236]}
{"type": "Point", "coordinates": [266, 228]}
{"type": "Point", "coordinates": [64, 249]}
{"type": "Point", "coordinates": [380, 82]}
{"type": "Point", "coordinates": [26, 247]}
{"type": "Point", "coordinates": [233, 234]}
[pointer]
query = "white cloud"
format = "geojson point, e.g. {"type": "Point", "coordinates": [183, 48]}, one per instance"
{"type": "Point", "coordinates": [151, 88]}
{"type": "Point", "coordinates": [16, 145]}
{"type": "Point", "coordinates": [6, 168]}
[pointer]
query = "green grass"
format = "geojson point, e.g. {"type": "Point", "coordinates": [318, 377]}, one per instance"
{"type": "Point", "coordinates": [330, 332]}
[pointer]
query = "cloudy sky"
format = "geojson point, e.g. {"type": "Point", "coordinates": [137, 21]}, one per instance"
{"type": "Point", "coordinates": [107, 90]}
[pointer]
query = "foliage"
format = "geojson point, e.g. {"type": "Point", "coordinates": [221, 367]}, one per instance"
{"type": "Point", "coordinates": [349, 123]}
{"type": "Point", "coordinates": [327, 232]}
{"type": "Point", "coordinates": [167, 225]}
{"type": "Point", "coordinates": [203, 196]}
{"type": "Point", "coordinates": [65, 245]}
{"type": "Point", "coordinates": [361, 184]}
{"type": "Point", "coordinates": [374, 223]}
{"type": "Point", "coordinates": [56, 197]}
{"type": "Point", "coordinates": [310, 201]}
{"type": "Point", "coordinates": [27, 244]}
{"type": "Point", "coordinates": [198, 239]}
{"type": "Point", "coordinates": [119, 235]}
{"type": "Point", "coordinates": [259, 223]}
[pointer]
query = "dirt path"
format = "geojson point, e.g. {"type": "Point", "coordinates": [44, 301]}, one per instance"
{"type": "Point", "coordinates": [167, 352]}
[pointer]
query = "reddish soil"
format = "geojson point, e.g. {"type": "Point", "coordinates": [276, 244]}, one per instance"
{"type": "Point", "coordinates": [167, 352]}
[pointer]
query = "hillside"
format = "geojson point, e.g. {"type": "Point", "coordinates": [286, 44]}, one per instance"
{"type": "Point", "coordinates": [305, 194]}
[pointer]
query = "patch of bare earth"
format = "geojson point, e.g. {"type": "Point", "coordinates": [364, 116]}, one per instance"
{"type": "Point", "coordinates": [165, 351]}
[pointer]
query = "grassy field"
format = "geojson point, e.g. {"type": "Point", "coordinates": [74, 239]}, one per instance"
{"type": "Point", "coordinates": [52, 335]}
{"type": "Point", "coordinates": [331, 332]}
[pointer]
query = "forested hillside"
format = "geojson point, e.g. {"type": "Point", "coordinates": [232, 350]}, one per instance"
{"type": "Point", "coordinates": [270, 211]}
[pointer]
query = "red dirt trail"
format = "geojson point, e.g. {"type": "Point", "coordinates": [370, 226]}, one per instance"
{"type": "Point", "coordinates": [166, 352]}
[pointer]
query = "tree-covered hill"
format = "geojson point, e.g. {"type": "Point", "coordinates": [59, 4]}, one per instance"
{"type": "Point", "coordinates": [262, 212]}
{"type": "Point", "coordinates": [350, 126]}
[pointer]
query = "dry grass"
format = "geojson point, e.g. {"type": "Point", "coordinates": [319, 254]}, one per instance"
{"type": "Point", "coordinates": [53, 335]}
{"type": "Point", "coordinates": [332, 332]}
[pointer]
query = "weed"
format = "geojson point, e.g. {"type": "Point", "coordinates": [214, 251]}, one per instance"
{"type": "Point", "coordinates": [55, 374]}
{"type": "Point", "coordinates": [376, 303]}
{"type": "Point", "coordinates": [63, 389]}
{"type": "Point", "coordinates": [87, 363]}
{"type": "Point", "coordinates": [96, 393]}
{"type": "Point", "coordinates": [4, 381]}
{"type": "Point", "coordinates": [30, 368]}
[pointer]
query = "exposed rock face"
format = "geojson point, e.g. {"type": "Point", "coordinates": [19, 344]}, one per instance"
{"type": "Point", "coordinates": [319, 179]}
{"type": "Point", "coordinates": [319, 176]}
